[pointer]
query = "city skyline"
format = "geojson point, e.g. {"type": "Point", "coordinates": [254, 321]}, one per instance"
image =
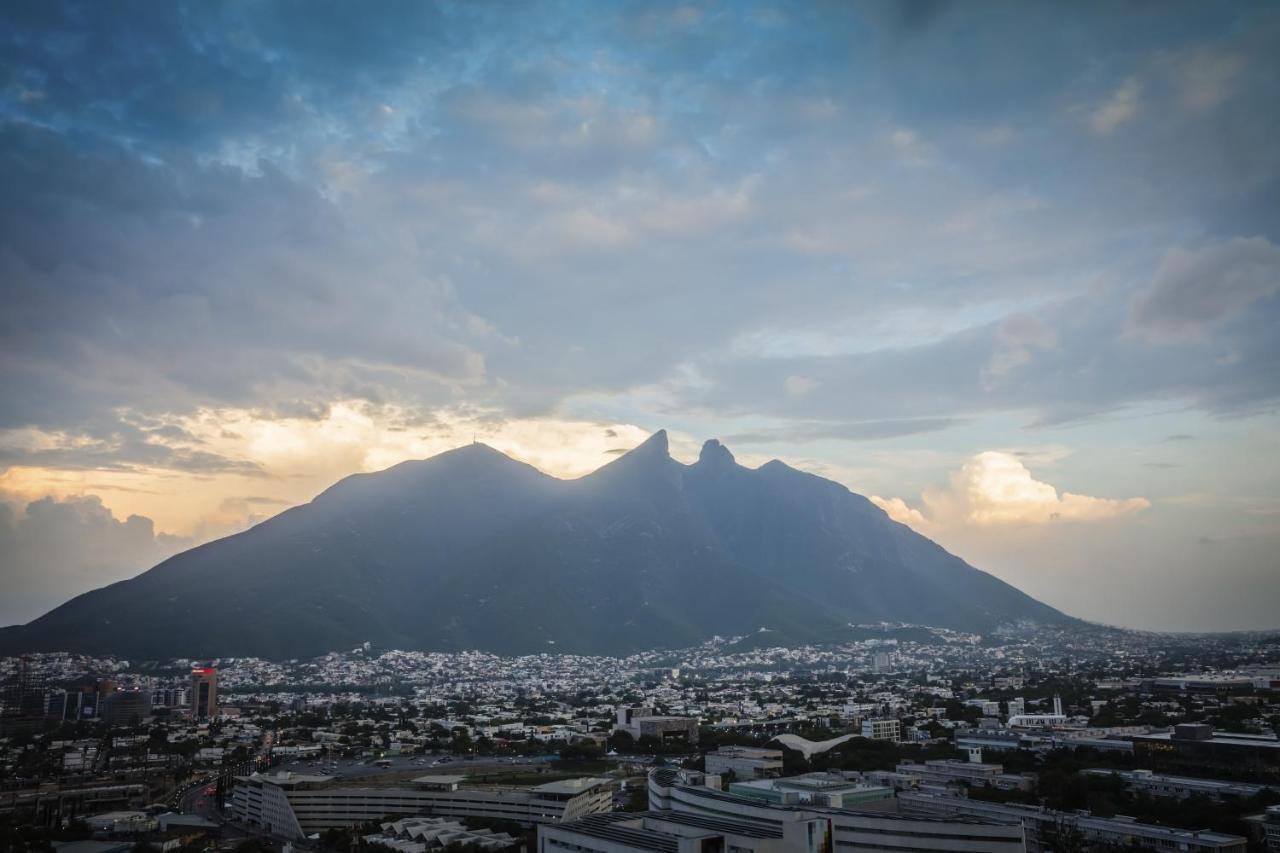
{"type": "Point", "coordinates": [1029, 309]}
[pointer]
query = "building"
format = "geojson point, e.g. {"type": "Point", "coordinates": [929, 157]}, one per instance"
{"type": "Point", "coordinates": [972, 774]}
{"type": "Point", "coordinates": [204, 692]}
{"type": "Point", "coordinates": [126, 708]}
{"type": "Point", "coordinates": [644, 722]}
{"type": "Point", "coordinates": [744, 762]}
{"type": "Point", "coordinates": [853, 830]}
{"type": "Point", "coordinates": [1159, 785]}
{"type": "Point", "coordinates": [882, 729]}
{"type": "Point", "coordinates": [821, 789]}
{"type": "Point", "coordinates": [294, 806]}
{"type": "Point", "coordinates": [1268, 828]}
{"type": "Point", "coordinates": [677, 832]}
{"type": "Point", "coordinates": [1039, 721]}
{"type": "Point", "coordinates": [1043, 825]}
{"type": "Point", "coordinates": [49, 804]}
{"type": "Point", "coordinates": [70, 704]}
{"type": "Point", "coordinates": [1207, 683]}
{"type": "Point", "coordinates": [22, 700]}
{"type": "Point", "coordinates": [103, 690]}
{"type": "Point", "coordinates": [993, 739]}
{"type": "Point", "coordinates": [169, 697]}
{"type": "Point", "coordinates": [881, 662]}
{"type": "Point", "coordinates": [121, 822]}
{"type": "Point", "coordinates": [419, 834]}
{"type": "Point", "coordinates": [1197, 744]}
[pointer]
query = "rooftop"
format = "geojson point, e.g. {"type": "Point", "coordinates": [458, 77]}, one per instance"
{"type": "Point", "coordinates": [570, 786]}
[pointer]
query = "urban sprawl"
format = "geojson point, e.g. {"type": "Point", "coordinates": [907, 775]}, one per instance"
{"type": "Point", "coordinates": [908, 739]}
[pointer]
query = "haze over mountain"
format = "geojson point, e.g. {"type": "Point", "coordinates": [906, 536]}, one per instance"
{"type": "Point", "coordinates": [471, 549]}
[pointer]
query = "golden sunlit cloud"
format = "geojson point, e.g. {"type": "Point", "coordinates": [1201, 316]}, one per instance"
{"type": "Point", "coordinates": [277, 462]}
{"type": "Point", "coordinates": [996, 488]}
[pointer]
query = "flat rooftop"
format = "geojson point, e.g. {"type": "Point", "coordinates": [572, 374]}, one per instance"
{"type": "Point", "coordinates": [439, 780]}
{"type": "Point", "coordinates": [1218, 737]}
{"type": "Point", "coordinates": [570, 786]}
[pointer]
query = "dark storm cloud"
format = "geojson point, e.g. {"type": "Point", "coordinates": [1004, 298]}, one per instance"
{"type": "Point", "coordinates": [53, 549]}
{"type": "Point", "coordinates": [1093, 367]}
{"type": "Point", "coordinates": [279, 205]}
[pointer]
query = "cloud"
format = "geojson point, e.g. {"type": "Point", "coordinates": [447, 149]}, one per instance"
{"type": "Point", "coordinates": [899, 511]}
{"type": "Point", "coordinates": [995, 488]}
{"type": "Point", "coordinates": [54, 549]}
{"type": "Point", "coordinates": [1208, 77]}
{"type": "Point", "coordinates": [1121, 106]}
{"type": "Point", "coordinates": [1196, 290]}
{"type": "Point", "coordinates": [1017, 336]}
{"type": "Point", "coordinates": [798, 386]}
{"type": "Point", "coordinates": [857, 431]}
{"type": "Point", "coordinates": [236, 241]}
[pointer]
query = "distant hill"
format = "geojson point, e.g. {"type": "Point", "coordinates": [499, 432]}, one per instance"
{"type": "Point", "coordinates": [473, 550]}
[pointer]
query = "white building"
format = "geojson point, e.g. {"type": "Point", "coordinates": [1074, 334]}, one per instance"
{"type": "Point", "coordinates": [676, 832]}
{"type": "Point", "coordinates": [295, 806]}
{"type": "Point", "coordinates": [745, 762]}
{"type": "Point", "coordinates": [849, 830]}
{"type": "Point", "coordinates": [882, 729]}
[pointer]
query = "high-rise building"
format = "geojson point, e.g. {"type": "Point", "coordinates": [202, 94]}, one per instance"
{"type": "Point", "coordinates": [22, 700]}
{"type": "Point", "coordinates": [105, 688]}
{"type": "Point", "coordinates": [204, 692]}
{"type": "Point", "coordinates": [126, 708]}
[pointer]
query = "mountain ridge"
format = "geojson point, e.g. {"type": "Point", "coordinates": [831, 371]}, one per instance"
{"type": "Point", "coordinates": [473, 549]}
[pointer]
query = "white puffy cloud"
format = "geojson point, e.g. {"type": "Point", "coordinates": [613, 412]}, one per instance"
{"type": "Point", "coordinates": [900, 511]}
{"type": "Point", "coordinates": [996, 488]}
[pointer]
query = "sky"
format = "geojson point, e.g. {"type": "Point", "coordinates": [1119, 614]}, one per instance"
{"type": "Point", "coordinates": [1012, 270]}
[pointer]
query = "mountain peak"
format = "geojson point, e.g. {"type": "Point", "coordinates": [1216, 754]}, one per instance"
{"type": "Point", "coordinates": [473, 550]}
{"type": "Point", "coordinates": [715, 453]}
{"type": "Point", "coordinates": [655, 445]}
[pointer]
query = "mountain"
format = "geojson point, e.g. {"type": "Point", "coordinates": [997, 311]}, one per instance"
{"type": "Point", "coordinates": [473, 550]}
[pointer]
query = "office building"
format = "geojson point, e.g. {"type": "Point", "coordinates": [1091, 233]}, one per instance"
{"type": "Point", "coordinates": [972, 774]}
{"type": "Point", "coordinates": [126, 708]}
{"type": "Point", "coordinates": [676, 832]}
{"type": "Point", "coordinates": [644, 722]}
{"type": "Point", "coordinates": [294, 806]}
{"type": "Point", "coordinates": [820, 789]}
{"type": "Point", "coordinates": [862, 830]}
{"type": "Point", "coordinates": [744, 762]}
{"type": "Point", "coordinates": [1181, 787]}
{"type": "Point", "coordinates": [1197, 744]}
{"type": "Point", "coordinates": [70, 704]}
{"type": "Point", "coordinates": [1042, 825]}
{"type": "Point", "coordinates": [204, 692]}
{"type": "Point", "coordinates": [22, 700]}
{"type": "Point", "coordinates": [882, 729]}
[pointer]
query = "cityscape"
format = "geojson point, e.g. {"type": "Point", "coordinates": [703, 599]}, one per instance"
{"type": "Point", "coordinates": [639, 426]}
{"type": "Point", "coordinates": [913, 737]}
